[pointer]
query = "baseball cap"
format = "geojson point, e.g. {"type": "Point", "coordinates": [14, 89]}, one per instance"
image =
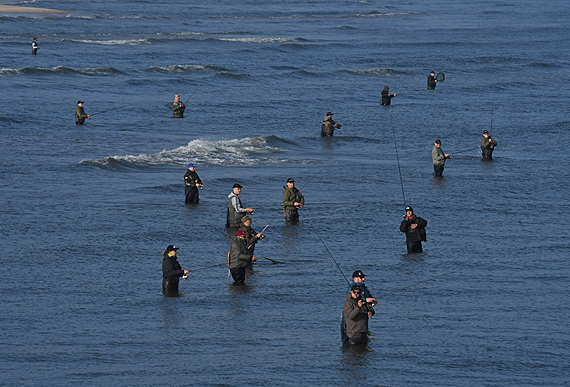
{"type": "Point", "coordinates": [358, 273]}
{"type": "Point", "coordinates": [236, 185]}
{"type": "Point", "coordinates": [191, 165]}
{"type": "Point", "coordinates": [172, 248]}
{"type": "Point", "coordinates": [290, 180]}
{"type": "Point", "coordinates": [241, 233]}
{"type": "Point", "coordinates": [438, 141]}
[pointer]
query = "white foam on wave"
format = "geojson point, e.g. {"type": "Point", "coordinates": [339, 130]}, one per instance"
{"type": "Point", "coordinates": [246, 151]}
{"type": "Point", "coordinates": [184, 68]}
{"type": "Point", "coordinates": [259, 40]}
{"type": "Point", "coordinates": [113, 42]}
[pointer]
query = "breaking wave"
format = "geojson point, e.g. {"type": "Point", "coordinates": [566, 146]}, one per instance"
{"type": "Point", "coordinates": [113, 42]}
{"type": "Point", "coordinates": [186, 68]}
{"type": "Point", "coordinates": [246, 151]}
{"type": "Point", "coordinates": [373, 72]}
{"type": "Point", "coordinates": [102, 71]}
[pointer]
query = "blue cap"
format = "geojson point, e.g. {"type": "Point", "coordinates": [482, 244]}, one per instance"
{"type": "Point", "coordinates": [191, 165]}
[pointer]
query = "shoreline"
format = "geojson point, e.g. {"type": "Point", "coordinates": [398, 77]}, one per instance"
{"type": "Point", "coordinates": [13, 9]}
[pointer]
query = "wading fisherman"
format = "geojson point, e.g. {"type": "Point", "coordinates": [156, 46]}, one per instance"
{"type": "Point", "coordinates": [386, 96]}
{"type": "Point", "coordinates": [177, 107]}
{"type": "Point", "coordinates": [487, 146]}
{"type": "Point", "coordinates": [356, 315]}
{"type": "Point", "coordinates": [171, 271]}
{"type": "Point", "coordinates": [328, 126]}
{"type": "Point", "coordinates": [35, 46]}
{"type": "Point", "coordinates": [252, 237]}
{"type": "Point", "coordinates": [431, 81]}
{"type": "Point", "coordinates": [292, 201]}
{"type": "Point", "coordinates": [358, 280]}
{"type": "Point", "coordinates": [80, 114]}
{"type": "Point", "coordinates": [414, 227]}
{"type": "Point", "coordinates": [239, 257]}
{"type": "Point", "coordinates": [192, 182]}
{"type": "Point", "coordinates": [438, 158]}
{"type": "Point", "coordinates": [235, 209]}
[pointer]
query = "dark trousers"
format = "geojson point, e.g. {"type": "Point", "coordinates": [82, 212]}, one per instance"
{"type": "Point", "coordinates": [34, 51]}
{"type": "Point", "coordinates": [191, 194]}
{"type": "Point", "coordinates": [291, 216]}
{"type": "Point", "coordinates": [488, 155]}
{"type": "Point", "coordinates": [414, 247]}
{"type": "Point", "coordinates": [386, 101]}
{"type": "Point", "coordinates": [438, 169]}
{"type": "Point", "coordinates": [169, 288]}
{"type": "Point", "coordinates": [238, 274]}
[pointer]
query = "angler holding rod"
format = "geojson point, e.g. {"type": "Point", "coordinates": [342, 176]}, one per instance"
{"type": "Point", "coordinates": [439, 77]}
{"type": "Point", "coordinates": [177, 106]}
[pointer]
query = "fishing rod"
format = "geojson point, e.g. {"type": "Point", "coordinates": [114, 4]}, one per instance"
{"type": "Point", "coordinates": [397, 158]}
{"type": "Point", "coordinates": [454, 55]}
{"type": "Point", "coordinates": [209, 267]}
{"type": "Point", "coordinates": [315, 175]}
{"type": "Point", "coordinates": [462, 151]}
{"type": "Point", "coordinates": [334, 260]}
{"type": "Point", "coordinates": [416, 284]}
{"type": "Point", "coordinates": [170, 104]}
{"type": "Point", "coordinates": [105, 111]}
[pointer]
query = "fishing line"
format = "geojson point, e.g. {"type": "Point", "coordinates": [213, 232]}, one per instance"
{"type": "Point", "coordinates": [209, 267]}
{"type": "Point", "coordinates": [105, 111]}
{"type": "Point", "coordinates": [416, 284]}
{"type": "Point", "coordinates": [170, 104]}
{"type": "Point", "coordinates": [454, 55]}
{"type": "Point", "coordinates": [315, 231]}
{"type": "Point", "coordinates": [397, 158]}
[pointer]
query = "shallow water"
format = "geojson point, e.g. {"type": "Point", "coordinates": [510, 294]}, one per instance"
{"type": "Point", "coordinates": [88, 210]}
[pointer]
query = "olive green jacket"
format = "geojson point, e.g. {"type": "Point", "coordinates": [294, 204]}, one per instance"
{"type": "Point", "coordinates": [177, 109]}
{"type": "Point", "coordinates": [291, 196]}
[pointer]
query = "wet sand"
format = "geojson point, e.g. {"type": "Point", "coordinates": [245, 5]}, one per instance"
{"type": "Point", "coordinates": [29, 10]}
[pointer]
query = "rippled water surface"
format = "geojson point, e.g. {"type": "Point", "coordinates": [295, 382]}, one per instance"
{"type": "Point", "coordinates": [87, 210]}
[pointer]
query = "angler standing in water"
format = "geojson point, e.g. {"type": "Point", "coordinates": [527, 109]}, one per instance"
{"type": "Point", "coordinates": [177, 107]}
{"type": "Point", "coordinates": [358, 280]}
{"type": "Point", "coordinates": [356, 315]}
{"type": "Point", "coordinates": [235, 209]}
{"type": "Point", "coordinates": [80, 114]}
{"type": "Point", "coordinates": [487, 146]}
{"type": "Point", "coordinates": [35, 46]}
{"type": "Point", "coordinates": [328, 126]}
{"type": "Point", "coordinates": [192, 182]}
{"type": "Point", "coordinates": [239, 257]}
{"type": "Point", "coordinates": [252, 236]}
{"type": "Point", "coordinates": [438, 158]}
{"type": "Point", "coordinates": [431, 81]}
{"type": "Point", "coordinates": [386, 96]}
{"type": "Point", "coordinates": [171, 271]}
{"type": "Point", "coordinates": [292, 201]}
{"type": "Point", "coordinates": [414, 227]}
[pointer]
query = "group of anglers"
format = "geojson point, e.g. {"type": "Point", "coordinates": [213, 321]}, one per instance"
{"type": "Point", "coordinates": [359, 305]}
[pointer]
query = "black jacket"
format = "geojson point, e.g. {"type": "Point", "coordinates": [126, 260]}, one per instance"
{"type": "Point", "coordinates": [414, 235]}
{"type": "Point", "coordinates": [171, 269]}
{"type": "Point", "coordinates": [431, 82]}
{"type": "Point", "coordinates": [356, 318]}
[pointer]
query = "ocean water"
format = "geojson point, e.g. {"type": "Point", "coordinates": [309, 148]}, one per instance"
{"type": "Point", "coordinates": [88, 210]}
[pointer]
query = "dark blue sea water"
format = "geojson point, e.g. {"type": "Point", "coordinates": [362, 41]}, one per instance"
{"type": "Point", "coordinates": [87, 210]}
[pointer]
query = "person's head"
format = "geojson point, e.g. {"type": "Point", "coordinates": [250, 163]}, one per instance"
{"type": "Point", "coordinates": [191, 167]}
{"type": "Point", "coordinates": [246, 221]}
{"type": "Point", "coordinates": [35, 39]}
{"type": "Point", "coordinates": [432, 73]}
{"type": "Point", "coordinates": [241, 234]}
{"type": "Point", "coordinates": [355, 292]}
{"type": "Point", "coordinates": [386, 88]}
{"type": "Point", "coordinates": [329, 114]}
{"type": "Point", "coordinates": [486, 134]}
{"type": "Point", "coordinates": [358, 277]}
{"type": "Point", "coordinates": [409, 211]}
{"type": "Point", "coordinates": [80, 103]}
{"type": "Point", "coordinates": [438, 143]}
{"type": "Point", "coordinates": [290, 182]}
{"type": "Point", "coordinates": [237, 188]}
{"type": "Point", "coordinates": [176, 98]}
{"type": "Point", "coordinates": [171, 250]}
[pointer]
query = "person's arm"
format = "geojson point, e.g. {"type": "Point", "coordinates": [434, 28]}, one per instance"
{"type": "Point", "coordinates": [350, 310]}
{"type": "Point", "coordinates": [404, 226]}
{"type": "Point", "coordinates": [236, 204]}
{"type": "Point", "coordinates": [174, 106]}
{"type": "Point", "coordinates": [287, 198]}
{"type": "Point", "coordinates": [421, 222]}
{"type": "Point", "coordinates": [169, 269]}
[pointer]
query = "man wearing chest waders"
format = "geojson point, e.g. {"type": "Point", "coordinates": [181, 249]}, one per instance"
{"type": "Point", "coordinates": [438, 158]}
{"type": "Point", "coordinates": [292, 201]}
{"type": "Point", "coordinates": [177, 107]}
{"type": "Point", "coordinates": [414, 228]}
{"type": "Point", "coordinates": [487, 146]}
{"type": "Point", "coordinates": [431, 81]}
{"type": "Point", "coordinates": [235, 209]}
{"type": "Point", "coordinates": [80, 114]}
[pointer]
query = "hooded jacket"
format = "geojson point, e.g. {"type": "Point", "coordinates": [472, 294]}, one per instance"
{"type": "Point", "coordinates": [438, 156]}
{"type": "Point", "coordinates": [171, 269]}
{"type": "Point", "coordinates": [328, 127]}
{"type": "Point", "coordinates": [290, 196]}
{"type": "Point", "coordinates": [239, 255]}
{"type": "Point", "coordinates": [235, 211]}
{"type": "Point", "coordinates": [414, 235]}
{"type": "Point", "coordinates": [356, 317]}
{"type": "Point", "coordinates": [486, 148]}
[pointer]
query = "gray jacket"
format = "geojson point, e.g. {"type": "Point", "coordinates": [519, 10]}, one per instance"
{"type": "Point", "coordinates": [235, 211]}
{"type": "Point", "coordinates": [356, 318]}
{"type": "Point", "coordinates": [239, 255]}
{"type": "Point", "coordinates": [438, 156]}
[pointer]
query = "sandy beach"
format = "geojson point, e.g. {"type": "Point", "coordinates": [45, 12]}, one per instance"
{"type": "Point", "coordinates": [29, 10]}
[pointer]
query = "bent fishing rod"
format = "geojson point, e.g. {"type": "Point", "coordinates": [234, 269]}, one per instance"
{"type": "Point", "coordinates": [397, 158]}
{"type": "Point", "coordinates": [416, 284]}
{"type": "Point", "coordinates": [328, 251]}
{"type": "Point", "coordinates": [108, 110]}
